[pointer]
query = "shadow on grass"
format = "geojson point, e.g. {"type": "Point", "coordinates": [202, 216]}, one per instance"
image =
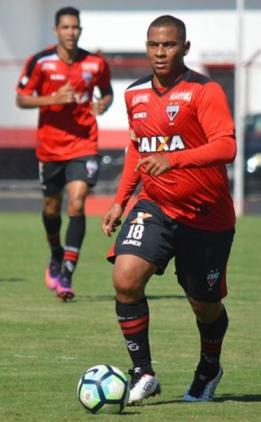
{"type": "Point", "coordinates": [104, 298]}
{"type": "Point", "coordinates": [244, 398]}
{"type": "Point", "coordinates": [11, 280]}
{"type": "Point", "coordinates": [247, 398]}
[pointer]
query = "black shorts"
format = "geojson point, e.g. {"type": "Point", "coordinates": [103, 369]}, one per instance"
{"type": "Point", "coordinates": [54, 175]}
{"type": "Point", "coordinates": [200, 256]}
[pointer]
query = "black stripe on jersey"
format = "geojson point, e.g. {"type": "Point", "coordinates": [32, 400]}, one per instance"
{"type": "Point", "coordinates": [189, 76]}
{"type": "Point", "coordinates": [81, 54]}
{"type": "Point", "coordinates": [31, 64]}
{"type": "Point", "coordinates": [140, 81]}
{"type": "Point", "coordinates": [195, 77]}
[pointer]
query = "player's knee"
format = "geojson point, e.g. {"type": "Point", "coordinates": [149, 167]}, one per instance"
{"type": "Point", "coordinates": [206, 312]}
{"type": "Point", "coordinates": [52, 208]}
{"type": "Point", "coordinates": [126, 285]}
{"type": "Point", "coordinates": [76, 206]}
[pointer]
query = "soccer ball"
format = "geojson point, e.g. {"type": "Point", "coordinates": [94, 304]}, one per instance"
{"type": "Point", "coordinates": [103, 389]}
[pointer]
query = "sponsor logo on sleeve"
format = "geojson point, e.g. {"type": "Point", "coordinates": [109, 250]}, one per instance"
{"type": "Point", "coordinates": [140, 98]}
{"type": "Point", "coordinates": [140, 115]}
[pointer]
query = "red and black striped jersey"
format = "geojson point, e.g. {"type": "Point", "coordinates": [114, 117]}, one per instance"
{"type": "Point", "coordinates": [191, 123]}
{"type": "Point", "coordinates": [65, 131]}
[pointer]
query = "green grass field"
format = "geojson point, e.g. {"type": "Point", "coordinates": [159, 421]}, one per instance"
{"type": "Point", "coordinates": [45, 345]}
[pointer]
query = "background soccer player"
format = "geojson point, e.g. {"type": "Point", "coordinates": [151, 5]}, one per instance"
{"type": "Point", "coordinates": [182, 135]}
{"type": "Point", "coordinates": [60, 81]}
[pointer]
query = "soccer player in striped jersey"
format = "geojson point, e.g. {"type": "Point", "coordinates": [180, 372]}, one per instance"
{"type": "Point", "coordinates": [60, 81]}
{"type": "Point", "coordinates": [182, 136]}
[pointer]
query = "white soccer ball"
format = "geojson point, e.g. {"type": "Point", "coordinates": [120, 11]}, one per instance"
{"type": "Point", "coordinates": [103, 389]}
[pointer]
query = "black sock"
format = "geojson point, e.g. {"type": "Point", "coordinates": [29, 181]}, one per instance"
{"type": "Point", "coordinates": [52, 227]}
{"type": "Point", "coordinates": [211, 336]}
{"type": "Point", "coordinates": [73, 242]}
{"type": "Point", "coordinates": [134, 322]}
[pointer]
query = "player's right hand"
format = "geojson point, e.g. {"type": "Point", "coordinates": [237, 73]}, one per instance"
{"type": "Point", "coordinates": [65, 95]}
{"type": "Point", "coordinates": [111, 219]}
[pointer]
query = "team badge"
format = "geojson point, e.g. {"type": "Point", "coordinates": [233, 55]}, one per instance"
{"type": "Point", "coordinates": [87, 76]}
{"type": "Point", "coordinates": [91, 167]}
{"type": "Point", "coordinates": [172, 110]}
{"type": "Point", "coordinates": [212, 277]}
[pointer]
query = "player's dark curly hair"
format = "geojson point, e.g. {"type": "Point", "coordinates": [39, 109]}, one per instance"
{"type": "Point", "coordinates": [168, 20]}
{"type": "Point", "coordinates": [66, 11]}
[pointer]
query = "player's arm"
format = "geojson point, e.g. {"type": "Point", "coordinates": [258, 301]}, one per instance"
{"type": "Point", "coordinates": [128, 183]}
{"type": "Point", "coordinates": [64, 95]}
{"type": "Point", "coordinates": [216, 122]}
{"type": "Point", "coordinates": [100, 105]}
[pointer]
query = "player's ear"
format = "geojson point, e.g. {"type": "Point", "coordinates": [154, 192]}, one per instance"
{"type": "Point", "coordinates": [186, 47]}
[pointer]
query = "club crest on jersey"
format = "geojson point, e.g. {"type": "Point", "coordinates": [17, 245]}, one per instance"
{"type": "Point", "coordinates": [87, 76]}
{"type": "Point", "coordinates": [160, 143]}
{"type": "Point", "coordinates": [212, 277]}
{"type": "Point", "coordinates": [172, 111]}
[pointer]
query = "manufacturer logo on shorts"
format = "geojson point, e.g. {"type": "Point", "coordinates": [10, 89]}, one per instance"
{"type": "Point", "coordinates": [91, 167]}
{"type": "Point", "coordinates": [141, 216]}
{"type": "Point", "coordinates": [212, 277]}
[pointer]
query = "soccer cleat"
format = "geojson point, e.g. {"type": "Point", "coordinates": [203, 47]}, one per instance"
{"type": "Point", "coordinates": [142, 385]}
{"type": "Point", "coordinates": [202, 388]}
{"type": "Point", "coordinates": [52, 274]}
{"type": "Point", "coordinates": [64, 290]}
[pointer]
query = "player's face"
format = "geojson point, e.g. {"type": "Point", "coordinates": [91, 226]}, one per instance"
{"type": "Point", "coordinates": [68, 32]}
{"type": "Point", "coordinates": [165, 50]}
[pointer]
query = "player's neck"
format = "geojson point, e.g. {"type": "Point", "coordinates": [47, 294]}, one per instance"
{"type": "Point", "coordinates": [169, 80]}
{"type": "Point", "coordinates": [67, 56]}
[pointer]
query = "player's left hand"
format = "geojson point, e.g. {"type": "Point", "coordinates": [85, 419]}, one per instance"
{"type": "Point", "coordinates": [155, 164]}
